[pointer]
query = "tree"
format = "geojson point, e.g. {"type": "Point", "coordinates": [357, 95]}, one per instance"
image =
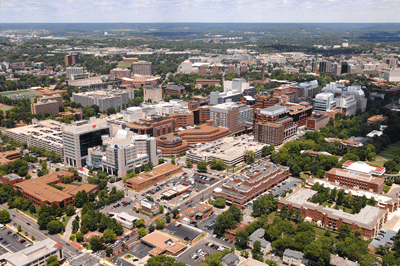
{"type": "Point", "coordinates": [250, 156]}
{"type": "Point", "coordinates": [142, 232]}
{"type": "Point", "coordinates": [267, 150]}
{"type": "Point", "coordinates": [52, 261]}
{"type": "Point", "coordinates": [109, 235]}
{"type": "Point", "coordinates": [219, 203]}
{"type": "Point", "coordinates": [95, 243]}
{"type": "Point", "coordinates": [242, 237]}
{"type": "Point", "coordinates": [160, 223]}
{"type": "Point", "coordinates": [55, 227]}
{"type": "Point", "coordinates": [70, 210]}
{"type": "Point", "coordinates": [66, 179]}
{"type": "Point", "coordinates": [173, 161]}
{"type": "Point", "coordinates": [140, 222]}
{"type": "Point", "coordinates": [168, 218]}
{"type": "Point", "coordinates": [19, 228]}
{"type": "Point", "coordinates": [161, 260]}
{"type": "Point", "coordinates": [316, 252]}
{"type": "Point", "coordinates": [4, 216]}
{"type": "Point", "coordinates": [151, 228]}
{"type": "Point", "coordinates": [111, 110]}
{"type": "Point", "coordinates": [81, 198]}
{"type": "Point", "coordinates": [109, 251]}
{"type": "Point", "coordinates": [189, 164]}
{"type": "Point", "coordinates": [264, 205]}
{"type": "Point", "coordinates": [202, 166]}
{"type": "Point", "coordinates": [79, 237]}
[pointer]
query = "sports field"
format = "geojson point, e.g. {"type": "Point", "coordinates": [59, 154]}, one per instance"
{"type": "Point", "coordinates": [20, 94]}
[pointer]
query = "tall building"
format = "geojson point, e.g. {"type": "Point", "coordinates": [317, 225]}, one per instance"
{"type": "Point", "coordinates": [325, 66]}
{"type": "Point", "coordinates": [215, 69]}
{"type": "Point", "coordinates": [324, 102]}
{"type": "Point", "coordinates": [71, 59]}
{"type": "Point", "coordinates": [142, 68]}
{"type": "Point", "coordinates": [392, 75]}
{"type": "Point", "coordinates": [155, 126]}
{"type": "Point", "coordinates": [78, 137]}
{"type": "Point", "coordinates": [231, 69]}
{"type": "Point", "coordinates": [392, 62]}
{"type": "Point", "coordinates": [231, 115]}
{"type": "Point", "coordinates": [70, 71]}
{"type": "Point", "coordinates": [217, 97]}
{"type": "Point", "coordinates": [104, 99]}
{"type": "Point", "coordinates": [45, 106]}
{"type": "Point", "coordinates": [338, 89]}
{"type": "Point", "coordinates": [308, 89]}
{"type": "Point", "coordinates": [124, 152]}
{"type": "Point", "coordinates": [243, 68]}
{"type": "Point", "coordinates": [203, 70]}
{"type": "Point", "coordinates": [118, 73]}
{"type": "Point", "coordinates": [347, 104]}
{"type": "Point", "coordinates": [153, 93]}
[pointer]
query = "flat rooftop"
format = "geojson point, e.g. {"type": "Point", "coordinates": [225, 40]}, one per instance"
{"type": "Point", "coordinates": [163, 242]}
{"type": "Point", "coordinates": [355, 175]}
{"type": "Point", "coordinates": [274, 110]}
{"type": "Point", "coordinates": [153, 173]}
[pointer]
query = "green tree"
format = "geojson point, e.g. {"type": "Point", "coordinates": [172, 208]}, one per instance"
{"type": "Point", "coordinates": [151, 228]}
{"type": "Point", "coordinates": [219, 203]}
{"type": "Point", "coordinates": [55, 227]}
{"type": "Point", "coordinates": [70, 210]}
{"type": "Point", "coordinates": [4, 217]}
{"type": "Point", "coordinates": [162, 260]}
{"type": "Point", "coordinates": [160, 223]}
{"type": "Point", "coordinates": [109, 235]}
{"type": "Point", "coordinates": [140, 222]}
{"type": "Point", "coordinates": [242, 237]}
{"type": "Point", "coordinates": [109, 251]}
{"type": "Point", "coordinates": [202, 167]}
{"type": "Point", "coordinates": [52, 261]}
{"type": "Point", "coordinates": [264, 205]}
{"type": "Point", "coordinates": [250, 156]}
{"type": "Point", "coordinates": [95, 243]}
{"type": "Point", "coordinates": [142, 232]}
{"type": "Point", "coordinates": [79, 237]}
{"type": "Point", "coordinates": [189, 164]}
{"type": "Point", "coordinates": [111, 110]}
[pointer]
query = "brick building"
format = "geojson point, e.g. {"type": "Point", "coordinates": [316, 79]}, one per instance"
{"type": "Point", "coordinates": [200, 212]}
{"type": "Point", "coordinates": [232, 116]}
{"type": "Point", "coordinates": [377, 118]}
{"type": "Point", "coordinates": [171, 144]}
{"type": "Point", "coordinates": [142, 68]}
{"type": "Point", "coordinates": [317, 121]}
{"type": "Point", "coordinates": [341, 143]}
{"type": "Point", "coordinates": [252, 183]}
{"type": "Point", "coordinates": [71, 59]}
{"type": "Point", "coordinates": [352, 179]}
{"type": "Point", "coordinates": [300, 112]}
{"type": "Point", "coordinates": [215, 69]}
{"type": "Point", "coordinates": [202, 70]}
{"type": "Point", "coordinates": [370, 219]}
{"type": "Point", "coordinates": [8, 157]}
{"type": "Point", "coordinates": [200, 83]}
{"type": "Point", "coordinates": [11, 179]}
{"type": "Point", "coordinates": [174, 89]}
{"type": "Point", "coordinates": [45, 105]}
{"type": "Point", "coordinates": [148, 179]}
{"type": "Point", "coordinates": [231, 69]}
{"type": "Point", "coordinates": [183, 119]}
{"type": "Point", "coordinates": [118, 73]}
{"type": "Point", "coordinates": [260, 101]}
{"type": "Point", "coordinates": [155, 126]}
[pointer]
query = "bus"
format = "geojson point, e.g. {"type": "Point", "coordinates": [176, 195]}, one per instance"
{"type": "Point", "coordinates": [184, 197]}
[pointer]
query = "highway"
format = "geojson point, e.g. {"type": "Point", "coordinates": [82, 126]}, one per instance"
{"type": "Point", "coordinates": [33, 229]}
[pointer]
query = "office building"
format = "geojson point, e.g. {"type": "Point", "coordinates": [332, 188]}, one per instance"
{"type": "Point", "coordinates": [118, 73]}
{"type": "Point", "coordinates": [325, 66]}
{"type": "Point", "coordinates": [308, 89]}
{"type": "Point", "coordinates": [341, 143]}
{"type": "Point", "coordinates": [338, 89]}
{"type": "Point", "coordinates": [44, 134]}
{"type": "Point", "coordinates": [47, 105]}
{"type": "Point", "coordinates": [155, 126]}
{"type": "Point", "coordinates": [71, 59]}
{"type": "Point", "coordinates": [174, 89]}
{"type": "Point", "coordinates": [130, 60]}
{"type": "Point", "coordinates": [152, 177]}
{"type": "Point", "coordinates": [200, 212]}
{"type": "Point", "coordinates": [324, 102]}
{"type": "Point", "coordinates": [39, 190]}
{"type": "Point", "coordinates": [183, 119]}
{"type": "Point", "coordinates": [79, 136]}
{"type": "Point", "coordinates": [163, 243]}
{"type": "Point", "coordinates": [231, 69]}
{"type": "Point", "coordinates": [217, 97]}
{"type": "Point", "coordinates": [232, 116]}
{"type": "Point", "coordinates": [300, 112]}
{"type": "Point", "coordinates": [104, 99]}
{"type": "Point", "coordinates": [152, 94]}
{"type": "Point", "coordinates": [11, 179]}
{"type": "Point", "coordinates": [347, 104]}
{"type": "Point", "coordinates": [355, 179]}
{"type": "Point", "coordinates": [392, 75]}
{"type": "Point", "coordinates": [202, 70]}
{"type": "Point", "coordinates": [236, 84]}
{"type": "Point", "coordinates": [70, 71]}
{"type": "Point", "coordinates": [142, 68]}
{"type": "Point", "coordinates": [123, 152]}
{"type": "Point", "coordinates": [215, 69]}
{"type": "Point", "coordinates": [229, 149]}
{"type": "Point", "coordinates": [251, 183]}
{"type": "Point", "coordinates": [364, 168]}
{"type": "Point", "coordinates": [317, 121]}
{"type": "Point", "coordinates": [93, 83]}
{"type": "Point", "coordinates": [392, 62]}
{"type": "Point", "coordinates": [35, 255]}
{"type": "Point", "coordinates": [8, 157]}
{"type": "Point", "coordinates": [370, 219]}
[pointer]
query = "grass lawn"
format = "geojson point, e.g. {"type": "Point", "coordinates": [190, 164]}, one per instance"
{"type": "Point", "coordinates": [122, 64]}
{"type": "Point", "coordinates": [386, 189]}
{"type": "Point", "coordinates": [34, 215]}
{"type": "Point", "coordinates": [391, 151]}
{"type": "Point", "coordinates": [321, 231]}
{"type": "Point", "coordinates": [67, 218]}
{"type": "Point", "coordinates": [344, 209]}
{"type": "Point", "coordinates": [5, 107]}
{"type": "Point", "coordinates": [379, 161]}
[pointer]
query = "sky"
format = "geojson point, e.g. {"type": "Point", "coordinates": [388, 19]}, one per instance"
{"type": "Point", "coordinates": [256, 11]}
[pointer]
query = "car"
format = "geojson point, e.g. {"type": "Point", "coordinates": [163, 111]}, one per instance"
{"type": "Point", "coordinates": [13, 215]}
{"type": "Point", "coordinates": [4, 242]}
{"type": "Point", "coordinates": [15, 224]}
{"type": "Point", "coordinates": [68, 244]}
{"type": "Point", "coordinates": [9, 232]}
{"type": "Point", "coordinates": [199, 250]}
{"type": "Point", "coordinates": [195, 256]}
{"type": "Point", "coordinates": [21, 240]}
{"type": "Point", "coordinates": [135, 259]}
{"type": "Point", "coordinates": [132, 234]}
{"type": "Point", "coordinates": [14, 235]}
{"type": "Point", "coordinates": [28, 245]}
{"type": "Point", "coordinates": [230, 242]}
{"type": "Point", "coordinates": [389, 243]}
{"type": "Point", "coordinates": [186, 238]}
{"type": "Point", "coordinates": [28, 223]}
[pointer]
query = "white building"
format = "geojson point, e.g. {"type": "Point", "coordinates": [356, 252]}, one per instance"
{"type": "Point", "coordinates": [217, 97]}
{"type": "Point", "coordinates": [236, 85]}
{"type": "Point", "coordinates": [338, 89]}
{"type": "Point", "coordinates": [392, 74]}
{"type": "Point", "coordinates": [324, 102]}
{"type": "Point", "coordinates": [70, 71]}
{"type": "Point", "coordinates": [347, 104]}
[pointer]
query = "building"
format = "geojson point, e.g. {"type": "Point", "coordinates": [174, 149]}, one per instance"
{"type": "Point", "coordinates": [47, 104]}
{"type": "Point", "coordinates": [137, 82]}
{"type": "Point", "coordinates": [149, 207]}
{"type": "Point", "coordinates": [258, 235]}
{"type": "Point", "coordinates": [152, 177]}
{"type": "Point", "coordinates": [252, 183]}
{"type": "Point", "coordinates": [339, 261]}
{"type": "Point", "coordinates": [231, 115]}
{"type": "Point", "coordinates": [347, 104]}
{"type": "Point", "coordinates": [11, 179]}
{"type": "Point", "coordinates": [317, 121]}
{"type": "Point", "coordinates": [230, 259]}
{"type": "Point", "coordinates": [8, 157]}
{"type": "Point", "coordinates": [40, 191]}
{"type": "Point", "coordinates": [325, 66]}
{"type": "Point", "coordinates": [79, 136]}
{"type": "Point", "coordinates": [71, 59]}
{"type": "Point", "coordinates": [300, 112]}
{"type": "Point", "coordinates": [155, 126]}
{"type": "Point", "coordinates": [237, 84]}
{"type": "Point", "coordinates": [104, 99]}
{"type": "Point", "coordinates": [217, 97]}
{"type": "Point", "coordinates": [231, 69]}
{"type": "Point", "coordinates": [272, 125]}
{"type": "Point", "coordinates": [200, 212]}
{"type": "Point", "coordinates": [118, 73]}
{"type": "Point", "coordinates": [344, 143]}
{"type": "Point", "coordinates": [120, 153]}
{"type": "Point", "coordinates": [377, 119]}
{"type": "Point", "coordinates": [183, 119]}
{"type": "Point", "coordinates": [202, 70]}
{"type": "Point", "coordinates": [126, 220]}
{"type": "Point", "coordinates": [163, 244]}
{"type": "Point", "coordinates": [93, 83]}
{"type": "Point", "coordinates": [355, 179]}
{"type": "Point", "coordinates": [215, 69]}
{"type": "Point", "coordinates": [364, 168]}
{"type": "Point", "coordinates": [174, 89]}
{"type": "Point", "coordinates": [71, 71]}
{"type": "Point", "coordinates": [172, 144]}
{"type": "Point", "coordinates": [200, 83]}
{"type": "Point", "coordinates": [292, 257]}
{"type": "Point", "coordinates": [129, 60]}
{"type": "Point", "coordinates": [152, 94]}
{"type": "Point", "coordinates": [369, 219]}
{"type": "Point", "coordinates": [324, 102]}
{"type": "Point", "coordinates": [339, 89]}
{"type": "Point", "coordinates": [44, 134]}
{"type": "Point", "coordinates": [35, 255]}
{"type": "Point", "coordinates": [142, 68]}
{"type": "Point", "coordinates": [230, 150]}
{"type": "Point", "coordinates": [392, 74]}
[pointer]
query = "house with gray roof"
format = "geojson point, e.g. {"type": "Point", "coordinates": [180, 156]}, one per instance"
{"type": "Point", "coordinates": [292, 257]}
{"type": "Point", "coordinates": [258, 235]}
{"type": "Point", "coordinates": [230, 259]}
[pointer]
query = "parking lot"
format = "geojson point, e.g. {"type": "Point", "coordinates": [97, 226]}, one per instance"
{"type": "Point", "coordinates": [140, 250]}
{"type": "Point", "coordinates": [182, 231]}
{"type": "Point", "coordinates": [195, 255]}
{"type": "Point", "coordinates": [10, 240]}
{"type": "Point", "coordinates": [286, 185]}
{"type": "Point", "coordinates": [384, 237]}
{"type": "Point", "coordinates": [204, 224]}
{"type": "Point", "coordinates": [121, 208]}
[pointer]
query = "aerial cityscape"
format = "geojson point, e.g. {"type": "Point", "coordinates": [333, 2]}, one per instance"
{"type": "Point", "coordinates": [200, 133]}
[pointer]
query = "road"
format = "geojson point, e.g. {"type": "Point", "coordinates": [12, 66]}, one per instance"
{"type": "Point", "coordinates": [33, 229]}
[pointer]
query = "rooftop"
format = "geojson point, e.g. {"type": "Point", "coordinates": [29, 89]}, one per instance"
{"type": "Point", "coordinates": [163, 242]}
{"type": "Point", "coordinates": [153, 173]}
{"type": "Point", "coordinates": [274, 110]}
{"type": "Point", "coordinates": [12, 176]}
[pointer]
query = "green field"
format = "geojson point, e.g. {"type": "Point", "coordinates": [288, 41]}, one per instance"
{"type": "Point", "coordinates": [5, 107]}
{"type": "Point", "coordinates": [122, 64]}
{"type": "Point", "coordinates": [379, 161]}
{"type": "Point", "coordinates": [391, 151]}
{"type": "Point", "coordinates": [10, 93]}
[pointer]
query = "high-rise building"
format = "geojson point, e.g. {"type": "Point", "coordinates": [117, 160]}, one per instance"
{"type": "Point", "coordinates": [153, 93]}
{"type": "Point", "coordinates": [243, 68]}
{"type": "Point", "coordinates": [79, 136]}
{"type": "Point", "coordinates": [124, 152]}
{"type": "Point", "coordinates": [325, 66]}
{"type": "Point", "coordinates": [324, 102]}
{"type": "Point", "coordinates": [215, 69]}
{"type": "Point", "coordinates": [71, 59]}
{"type": "Point", "coordinates": [231, 69]}
{"type": "Point", "coordinates": [392, 62]}
{"type": "Point", "coordinates": [104, 99]}
{"type": "Point", "coordinates": [142, 68]}
{"type": "Point", "coordinates": [231, 115]}
{"type": "Point", "coordinates": [217, 97]}
{"type": "Point", "coordinates": [392, 74]}
{"type": "Point", "coordinates": [203, 70]}
{"type": "Point", "coordinates": [347, 104]}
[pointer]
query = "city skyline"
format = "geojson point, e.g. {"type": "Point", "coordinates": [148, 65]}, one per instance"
{"type": "Point", "coordinates": [278, 11]}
